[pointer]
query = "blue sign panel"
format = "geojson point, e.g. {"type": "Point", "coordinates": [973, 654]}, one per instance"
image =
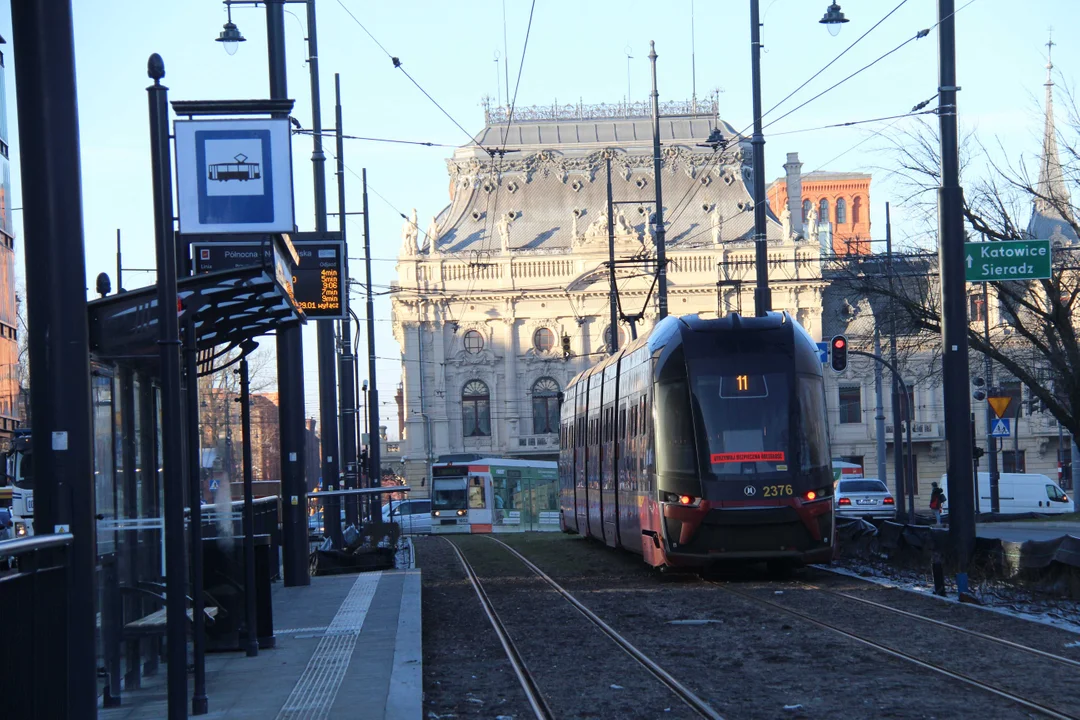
{"type": "Point", "coordinates": [1001, 427]}
{"type": "Point", "coordinates": [823, 352]}
{"type": "Point", "coordinates": [234, 176]}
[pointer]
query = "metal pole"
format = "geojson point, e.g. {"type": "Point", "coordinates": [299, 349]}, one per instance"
{"type": "Point", "coordinates": [661, 239]}
{"type": "Point", "coordinates": [347, 360]}
{"type": "Point", "coordinates": [879, 414]}
{"type": "Point", "coordinates": [991, 441]}
{"type": "Point", "coordinates": [171, 431]}
{"type": "Point", "coordinates": [909, 466]}
{"type": "Point", "coordinates": [328, 414]}
{"type": "Point", "coordinates": [249, 514]}
{"type": "Point", "coordinates": [374, 440]}
{"type": "Point", "coordinates": [199, 703]}
{"type": "Point", "coordinates": [898, 447]}
{"type": "Point", "coordinates": [290, 369]}
{"type": "Point", "coordinates": [1075, 465]}
{"type": "Point", "coordinates": [58, 336]}
{"type": "Point", "coordinates": [762, 294]}
{"type": "Point", "coordinates": [954, 310]}
{"type": "Point", "coordinates": [613, 291]}
{"type": "Point", "coordinates": [119, 265]}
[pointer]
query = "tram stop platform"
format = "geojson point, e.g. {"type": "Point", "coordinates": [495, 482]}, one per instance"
{"type": "Point", "coordinates": [348, 646]}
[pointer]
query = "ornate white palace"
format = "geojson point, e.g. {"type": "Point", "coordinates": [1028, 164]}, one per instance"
{"type": "Point", "coordinates": [504, 298]}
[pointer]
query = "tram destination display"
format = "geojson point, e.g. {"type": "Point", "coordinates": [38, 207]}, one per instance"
{"type": "Point", "coordinates": [318, 284]}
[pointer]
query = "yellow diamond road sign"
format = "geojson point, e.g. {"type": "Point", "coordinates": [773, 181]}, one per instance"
{"type": "Point", "coordinates": [999, 404]}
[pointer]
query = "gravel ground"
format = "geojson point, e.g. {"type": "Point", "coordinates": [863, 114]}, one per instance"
{"type": "Point", "coordinates": [753, 661]}
{"type": "Point", "coordinates": [466, 673]}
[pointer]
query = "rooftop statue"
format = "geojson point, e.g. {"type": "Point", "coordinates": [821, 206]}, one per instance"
{"type": "Point", "coordinates": [409, 232]}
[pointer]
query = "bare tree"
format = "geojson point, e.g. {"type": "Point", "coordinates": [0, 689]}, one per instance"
{"type": "Point", "coordinates": [1036, 336]}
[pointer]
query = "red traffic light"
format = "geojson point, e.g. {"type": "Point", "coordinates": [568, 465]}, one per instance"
{"type": "Point", "coordinates": [839, 343]}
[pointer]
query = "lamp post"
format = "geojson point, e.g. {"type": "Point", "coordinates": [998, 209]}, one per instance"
{"type": "Point", "coordinates": [833, 20]}
{"type": "Point", "coordinates": [762, 294]}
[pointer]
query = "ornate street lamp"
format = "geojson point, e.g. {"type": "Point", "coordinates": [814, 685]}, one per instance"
{"type": "Point", "coordinates": [230, 35]}
{"type": "Point", "coordinates": [834, 19]}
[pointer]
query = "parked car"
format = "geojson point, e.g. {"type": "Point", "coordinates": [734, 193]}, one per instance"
{"type": "Point", "coordinates": [1021, 493]}
{"type": "Point", "coordinates": [864, 497]}
{"type": "Point", "coordinates": [414, 516]}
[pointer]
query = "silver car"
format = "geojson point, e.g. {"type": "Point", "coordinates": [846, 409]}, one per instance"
{"type": "Point", "coordinates": [864, 498]}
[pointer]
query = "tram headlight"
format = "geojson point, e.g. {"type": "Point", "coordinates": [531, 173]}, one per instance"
{"type": "Point", "coordinates": [20, 529]}
{"type": "Point", "coordinates": [461, 513]}
{"type": "Point", "coordinates": [684, 500]}
{"type": "Point", "coordinates": [437, 512]}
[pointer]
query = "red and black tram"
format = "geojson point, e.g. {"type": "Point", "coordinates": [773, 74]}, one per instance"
{"type": "Point", "coordinates": [705, 440]}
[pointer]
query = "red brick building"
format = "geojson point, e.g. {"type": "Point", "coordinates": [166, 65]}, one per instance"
{"type": "Point", "coordinates": [842, 199]}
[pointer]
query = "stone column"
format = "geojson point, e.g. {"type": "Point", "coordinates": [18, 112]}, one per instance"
{"type": "Point", "coordinates": [512, 395]}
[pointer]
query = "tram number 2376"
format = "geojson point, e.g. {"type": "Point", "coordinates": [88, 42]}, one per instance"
{"type": "Point", "coordinates": [777, 490]}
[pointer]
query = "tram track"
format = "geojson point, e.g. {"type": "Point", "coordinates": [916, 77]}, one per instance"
{"type": "Point", "coordinates": [950, 626]}
{"type": "Point", "coordinates": [1021, 700]}
{"type": "Point", "coordinates": [528, 682]}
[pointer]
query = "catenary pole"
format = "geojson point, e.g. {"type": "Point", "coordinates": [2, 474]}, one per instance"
{"type": "Point", "coordinates": [898, 445]}
{"type": "Point", "coordinates": [346, 358]}
{"type": "Point", "coordinates": [251, 641]}
{"type": "Point", "coordinates": [953, 301]}
{"type": "Point", "coordinates": [290, 368]}
{"type": "Point", "coordinates": [879, 410]}
{"type": "Point", "coordinates": [613, 291]}
{"type": "Point", "coordinates": [328, 414]}
{"type": "Point", "coordinates": [199, 702]}
{"type": "Point", "coordinates": [661, 233]}
{"type": "Point", "coordinates": [762, 294]}
{"type": "Point", "coordinates": [58, 337]}
{"type": "Point", "coordinates": [991, 441]}
{"type": "Point", "coordinates": [172, 458]}
{"type": "Point", "coordinates": [374, 439]}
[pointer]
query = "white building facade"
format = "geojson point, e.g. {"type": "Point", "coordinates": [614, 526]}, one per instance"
{"type": "Point", "coordinates": [505, 297]}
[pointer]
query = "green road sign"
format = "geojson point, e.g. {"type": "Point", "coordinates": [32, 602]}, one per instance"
{"type": "Point", "coordinates": [1007, 260]}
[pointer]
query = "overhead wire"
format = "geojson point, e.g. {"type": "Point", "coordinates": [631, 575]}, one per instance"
{"type": "Point", "coordinates": [398, 64]}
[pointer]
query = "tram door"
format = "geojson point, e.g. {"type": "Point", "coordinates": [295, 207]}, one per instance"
{"type": "Point", "coordinates": [480, 502]}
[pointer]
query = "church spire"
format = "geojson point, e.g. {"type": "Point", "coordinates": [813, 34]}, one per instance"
{"type": "Point", "coordinates": [1051, 178]}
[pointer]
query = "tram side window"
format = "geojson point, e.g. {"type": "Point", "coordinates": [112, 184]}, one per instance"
{"type": "Point", "coordinates": [675, 447]}
{"type": "Point", "coordinates": [814, 435]}
{"type": "Point", "coordinates": [477, 501]}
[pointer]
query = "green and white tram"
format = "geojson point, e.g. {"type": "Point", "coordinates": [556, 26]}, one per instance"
{"type": "Point", "coordinates": [494, 495]}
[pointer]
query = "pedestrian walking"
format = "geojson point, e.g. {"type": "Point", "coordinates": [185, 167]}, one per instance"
{"type": "Point", "coordinates": [937, 500]}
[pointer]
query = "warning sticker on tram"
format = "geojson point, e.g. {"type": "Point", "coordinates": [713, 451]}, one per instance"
{"type": "Point", "coordinates": [774, 456]}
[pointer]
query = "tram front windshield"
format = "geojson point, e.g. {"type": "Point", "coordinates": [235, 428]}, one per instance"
{"type": "Point", "coordinates": [449, 493]}
{"type": "Point", "coordinates": [24, 471]}
{"type": "Point", "coordinates": [745, 419]}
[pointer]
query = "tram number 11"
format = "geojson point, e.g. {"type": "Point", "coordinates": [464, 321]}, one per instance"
{"type": "Point", "coordinates": [743, 382]}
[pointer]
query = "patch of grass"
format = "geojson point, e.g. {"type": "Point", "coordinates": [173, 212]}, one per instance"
{"type": "Point", "coordinates": [1068, 517]}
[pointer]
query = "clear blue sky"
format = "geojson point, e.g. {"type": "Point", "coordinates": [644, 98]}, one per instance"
{"type": "Point", "coordinates": [577, 50]}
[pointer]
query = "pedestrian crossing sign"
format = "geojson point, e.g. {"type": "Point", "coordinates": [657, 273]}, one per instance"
{"type": "Point", "coordinates": [214, 485]}
{"type": "Point", "coordinates": [1001, 427]}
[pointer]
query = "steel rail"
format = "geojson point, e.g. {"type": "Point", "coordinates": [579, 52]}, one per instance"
{"type": "Point", "coordinates": [532, 693]}
{"type": "Point", "coordinates": [697, 704]}
{"type": "Point", "coordinates": [950, 626]}
{"type": "Point", "coordinates": [1029, 704]}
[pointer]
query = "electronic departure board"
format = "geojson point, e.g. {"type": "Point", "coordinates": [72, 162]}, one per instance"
{"type": "Point", "coordinates": [318, 284]}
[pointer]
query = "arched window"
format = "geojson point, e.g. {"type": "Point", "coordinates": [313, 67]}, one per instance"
{"type": "Point", "coordinates": [805, 209]}
{"type": "Point", "coordinates": [856, 210]}
{"type": "Point", "coordinates": [607, 337]}
{"type": "Point", "coordinates": [473, 341]}
{"type": "Point", "coordinates": [545, 404]}
{"type": "Point", "coordinates": [475, 409]}
{"type": "Point", "coordinates": [841, 211]}
{"type": "Point", "coordinates": [823, 211]}
{"type": "Point", "coordinates": [543, 340]}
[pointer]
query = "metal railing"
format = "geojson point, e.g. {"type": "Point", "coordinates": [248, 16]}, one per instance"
{"type": "Point", "coordinates": [34, 577]}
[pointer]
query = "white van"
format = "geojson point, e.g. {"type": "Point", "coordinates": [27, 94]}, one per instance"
{"type": "Point", "coordinates": [1021, 493]}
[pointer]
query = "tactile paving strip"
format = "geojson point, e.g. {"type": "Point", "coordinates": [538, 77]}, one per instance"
{"type": "Point", "coordinates": [317, 688]}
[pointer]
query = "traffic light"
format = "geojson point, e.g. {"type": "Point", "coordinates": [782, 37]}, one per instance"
{"type": "Point", "coordinates": [979, 393]}
{"type": "Point", "coordinates": [838, 353]}
{"type": "Point", "coordinates": [565, 346]}
{"type": "Point", "coordinates": [1035, 405]}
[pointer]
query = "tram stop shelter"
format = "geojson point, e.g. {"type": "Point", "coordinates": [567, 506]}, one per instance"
{"type": "Point", "coordinates": [221, 316]}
